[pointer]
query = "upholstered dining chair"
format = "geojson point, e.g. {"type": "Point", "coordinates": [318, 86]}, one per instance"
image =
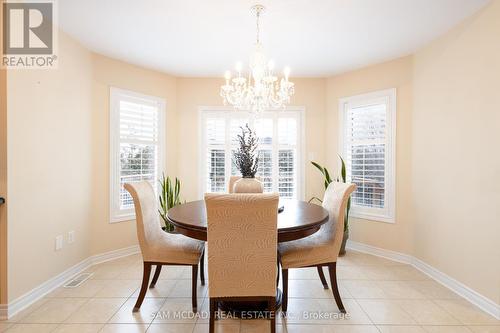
{"type": "Point", "coordinates": [242, 249]}
{"type": "Point", "coordinates": [322, 248]}
{"type": "Point", "coordinates": [232, 180]}
{"type": "Point", "coordinates": [158, 247]}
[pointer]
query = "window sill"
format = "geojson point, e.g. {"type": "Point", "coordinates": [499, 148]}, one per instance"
{"type": "Point", "coordinates": [122, 218]}
{"type": "Point", "coordinates": [373, 217]}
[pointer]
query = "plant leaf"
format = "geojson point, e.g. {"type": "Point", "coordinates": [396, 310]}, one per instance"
{"type": "Point", "coordinates": [319, 167]}
{"type": "Point", "coordinates": [327, 176]}
{"type": "Point", "coordinates": [315, 198]}
{"type": "Point", "coordinates": [343, 171]}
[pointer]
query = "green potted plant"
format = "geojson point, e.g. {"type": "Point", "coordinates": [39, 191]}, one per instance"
{"type": "Point", "coordinates": [168, 198]}
{"type": "Point", "coordinates": [327, 181]}
{"type": "Point", "coordinates": [247, 161]}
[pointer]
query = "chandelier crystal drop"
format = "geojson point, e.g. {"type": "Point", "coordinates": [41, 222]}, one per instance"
{"type": "Point", "coordinates": [260, 89]}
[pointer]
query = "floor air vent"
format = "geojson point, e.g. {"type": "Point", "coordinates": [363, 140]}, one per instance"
{"type": "Point", "coordinates": [78, 280]}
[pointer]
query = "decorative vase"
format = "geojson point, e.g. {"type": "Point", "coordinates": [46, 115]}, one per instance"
{"type": "Point", "coordinates": [248, 185]}
{"type": "Point", "coordinates": [344, 242]}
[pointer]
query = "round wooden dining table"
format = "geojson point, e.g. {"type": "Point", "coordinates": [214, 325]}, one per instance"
{"type": "Point", "coordinates": [296, 220]}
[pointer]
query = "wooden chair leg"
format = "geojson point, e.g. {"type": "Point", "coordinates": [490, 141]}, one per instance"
{"type": "Point", "coordinates": [212, 316]}
{"type": "Point", "coordinates": [284, 304]}
{"type": "Point", "coordinates": [332, 269]}
{"type": "Point", "coordinates": [272, 313]}
{"type": "Point", "coordinates": [202, 268]}
{"type": "Point", "coordinates": [278, 275]}
{"type": "Point", "coordinates": [145, 281]}
{"type": "Point", "coordinates": [194, 278]}
{"type": "Point", "coordinates": [322, 276]}
{"type": "Point", "coordinates": [156, 276]}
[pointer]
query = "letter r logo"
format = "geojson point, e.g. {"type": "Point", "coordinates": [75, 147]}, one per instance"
{"type": "Point", "coordinates": [27, 28]}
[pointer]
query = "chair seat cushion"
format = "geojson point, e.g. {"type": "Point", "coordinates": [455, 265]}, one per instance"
{"type": "Point", "coordinates": [312, 250]}
{"type": "Point", "coordinates": [174, 249]}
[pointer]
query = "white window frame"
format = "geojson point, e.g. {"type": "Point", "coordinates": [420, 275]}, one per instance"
{"type": "Point", "coordinates": [295, 111]}
{"type": "Point", "coordinates": [115, 95]}
{"type": "Point", "coordinates": [388, 96]}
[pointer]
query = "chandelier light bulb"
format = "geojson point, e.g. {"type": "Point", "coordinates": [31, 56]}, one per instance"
{"type": "Point", "coordinates": [238, 67]}
{"type": "Point", "coordinates": [270, 65]}
{"type": "Point", "coordinates": [286, 71]}
{"type": "Point", "coordinates": [227, 76]}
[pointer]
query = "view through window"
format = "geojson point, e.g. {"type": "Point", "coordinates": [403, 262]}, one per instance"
{"type": "Point", "coordinates": [280, 152]}
{"type": "Point", "coordinates": [136, 146]}
{"type": "Point", "coordinates": [367, 138]}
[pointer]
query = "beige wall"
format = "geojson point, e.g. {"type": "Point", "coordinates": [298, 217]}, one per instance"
{"type": "Point", "coordinates": [394, 74]}
{"type": "Point", "coordinates": [456, 161]}
{"type": "Point", "coordinates": [59, 160]}
{"type": "Point", "coordinates": [3, 175]}
{"type": "Point", "coordinates": [108, 73]}
{"type": "Point", "coordinates": [193, 93]}
{"type": "Point", "coordinates": [49, 167]}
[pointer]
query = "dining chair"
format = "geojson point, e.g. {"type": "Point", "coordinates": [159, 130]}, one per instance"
{"type": "Point", "coordinates": [242, 249]}
{"type": "Point", "coordinates": [159, 247]}
{"type": "Point", "coordinates": [322, 248]}
{"type": "Point", "coordinates": [232, 180]}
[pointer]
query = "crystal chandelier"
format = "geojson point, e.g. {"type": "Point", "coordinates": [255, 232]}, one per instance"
{"type": "Point", "coordinates": [260, 90]}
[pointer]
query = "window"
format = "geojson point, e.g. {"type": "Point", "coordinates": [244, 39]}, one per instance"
{"type": "Point", "coordinates": [367, 140]}
{"type": "Point", "coordinates": [279, 151]}
{"type": "Point", "coordinates": [136, 146]}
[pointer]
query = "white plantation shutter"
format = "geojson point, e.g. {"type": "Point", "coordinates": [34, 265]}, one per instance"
{"type": "Point", "coordinates": [368, 138]}
{"type": "Point", "coordinates": [265, 169]}
{"type": "Point", "coordinates": [136, 127]}
{"type": "Point", "coordinates": [287, 161]}
{"type": "Point", "coordinates": [279, 150]}
{"type": "Point", "coordinates": [216, 156]}
{"type": "Point", "coordinates": [287, 173]}
{"type": "Point", "coordinates": [264, 128]}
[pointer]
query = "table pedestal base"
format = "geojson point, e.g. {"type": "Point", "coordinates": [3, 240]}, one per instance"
{"type": "Point", "coordinates": [249, 310]}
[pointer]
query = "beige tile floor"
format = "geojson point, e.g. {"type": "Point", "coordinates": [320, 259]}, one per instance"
{"type": "Point", "coordinates": [379, 295]}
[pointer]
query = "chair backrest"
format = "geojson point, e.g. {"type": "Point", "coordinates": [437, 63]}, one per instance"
{"type": "Point", "coordinates": [242, 244]}
{"type": "Point", "coordinates": [232, 180]}
{"type": "Point", "coordinates": [335, 202]}
{"type": "Point", "coordinates": [146, 215]}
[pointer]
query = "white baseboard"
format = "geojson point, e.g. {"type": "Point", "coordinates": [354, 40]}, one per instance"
{"type": "Point", "coordinates": [459, 288]}
{"type": "Point", "coordinates": [482, 302]}
{"type": "Point", "coordinates": [379, 252]}
{"type": "Point", "coordinates": [115, 254]}
{"type": "Point", "coordinates": [22, 302]}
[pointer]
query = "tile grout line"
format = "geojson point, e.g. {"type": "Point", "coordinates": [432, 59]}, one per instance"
{"type": "Point", "coordinates": [364, 311]}
{"type": "Point", "coordinates": [448, 312]}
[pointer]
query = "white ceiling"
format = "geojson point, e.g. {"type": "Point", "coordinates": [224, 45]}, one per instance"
{"type": "Point", "coordinates": [206, 37]}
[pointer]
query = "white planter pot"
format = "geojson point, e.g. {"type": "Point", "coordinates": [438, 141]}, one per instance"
{"type": "Point", "coordinates": [248, 185]}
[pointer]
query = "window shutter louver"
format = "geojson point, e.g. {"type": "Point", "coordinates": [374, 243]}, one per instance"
{"type": "Point", "coordinates": [138, 146]}
{"type": "Point", "coordinates": [368, 138]}
{"type": "Point", "coordinates": [277, 151]}
{"type": "Point", "coordinates": [366, 154]}
{"type": "Point", "coordinates": [136, 141]}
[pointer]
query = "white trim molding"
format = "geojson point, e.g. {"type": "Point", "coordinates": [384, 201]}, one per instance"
{"type": "Point", "coordinates": [116, 95]}
{"type": "Point", "coordinates": [388, 98]}
{"type": "Point", "coordinates": [22, 302]}
{"type": "Point", "coordinates": [481, 301]}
